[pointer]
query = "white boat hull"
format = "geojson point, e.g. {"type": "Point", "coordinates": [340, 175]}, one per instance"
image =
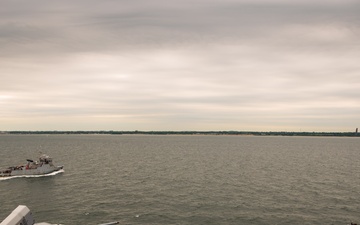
{"type": "Point", "coordinates": [45, 169]}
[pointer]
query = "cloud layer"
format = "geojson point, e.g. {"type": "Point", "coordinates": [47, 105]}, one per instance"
{"type": "Point", "coordinates": [189, 65]}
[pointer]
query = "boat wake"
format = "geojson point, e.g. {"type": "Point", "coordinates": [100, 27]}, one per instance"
{"type": "Point", "coordinates": [30, 176]}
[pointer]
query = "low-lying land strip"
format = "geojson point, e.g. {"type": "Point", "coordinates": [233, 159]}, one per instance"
{"type": "Point", "coordinates": [254, 133]}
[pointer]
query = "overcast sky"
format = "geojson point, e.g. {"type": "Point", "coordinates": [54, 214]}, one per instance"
{"type": "Point", "coordinates": [259, 65]}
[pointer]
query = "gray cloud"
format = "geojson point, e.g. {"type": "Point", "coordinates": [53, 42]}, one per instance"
{"type": "Point", "coordinates": [261, 65]}
{"type": "Point", "coordinates": [94, 26]}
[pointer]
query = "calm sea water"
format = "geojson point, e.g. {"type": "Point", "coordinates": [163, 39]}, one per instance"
{"type": "Point", "coordinates": [186, 179]}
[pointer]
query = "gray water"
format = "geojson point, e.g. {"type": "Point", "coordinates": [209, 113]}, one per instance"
{"type": "Point", "coordinates": [186, 179]}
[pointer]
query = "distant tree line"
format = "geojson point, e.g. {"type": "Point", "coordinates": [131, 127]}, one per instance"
{"type": "Point", "coordinates": [254, 133]}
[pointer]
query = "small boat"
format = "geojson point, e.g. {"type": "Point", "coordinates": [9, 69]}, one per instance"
{"type": "Point", "coordinates": [41, 167]}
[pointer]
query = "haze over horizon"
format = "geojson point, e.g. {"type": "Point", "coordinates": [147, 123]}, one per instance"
{"type": "Point", "coordinates": [248, 65]}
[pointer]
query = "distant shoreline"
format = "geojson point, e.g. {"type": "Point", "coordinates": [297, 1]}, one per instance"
{"type": "Point", "coordinates": [245, 133]}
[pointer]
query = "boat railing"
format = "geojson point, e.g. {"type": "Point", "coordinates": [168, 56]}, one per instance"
{"type": "Point", "coordinates": [22, 215]}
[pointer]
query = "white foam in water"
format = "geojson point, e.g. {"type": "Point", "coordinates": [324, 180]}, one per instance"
{"type": "Point", "coordinates": [29, 176]}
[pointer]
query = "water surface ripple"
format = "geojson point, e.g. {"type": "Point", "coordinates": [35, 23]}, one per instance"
{"type": "Point", "coordinates": [186, 179]}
